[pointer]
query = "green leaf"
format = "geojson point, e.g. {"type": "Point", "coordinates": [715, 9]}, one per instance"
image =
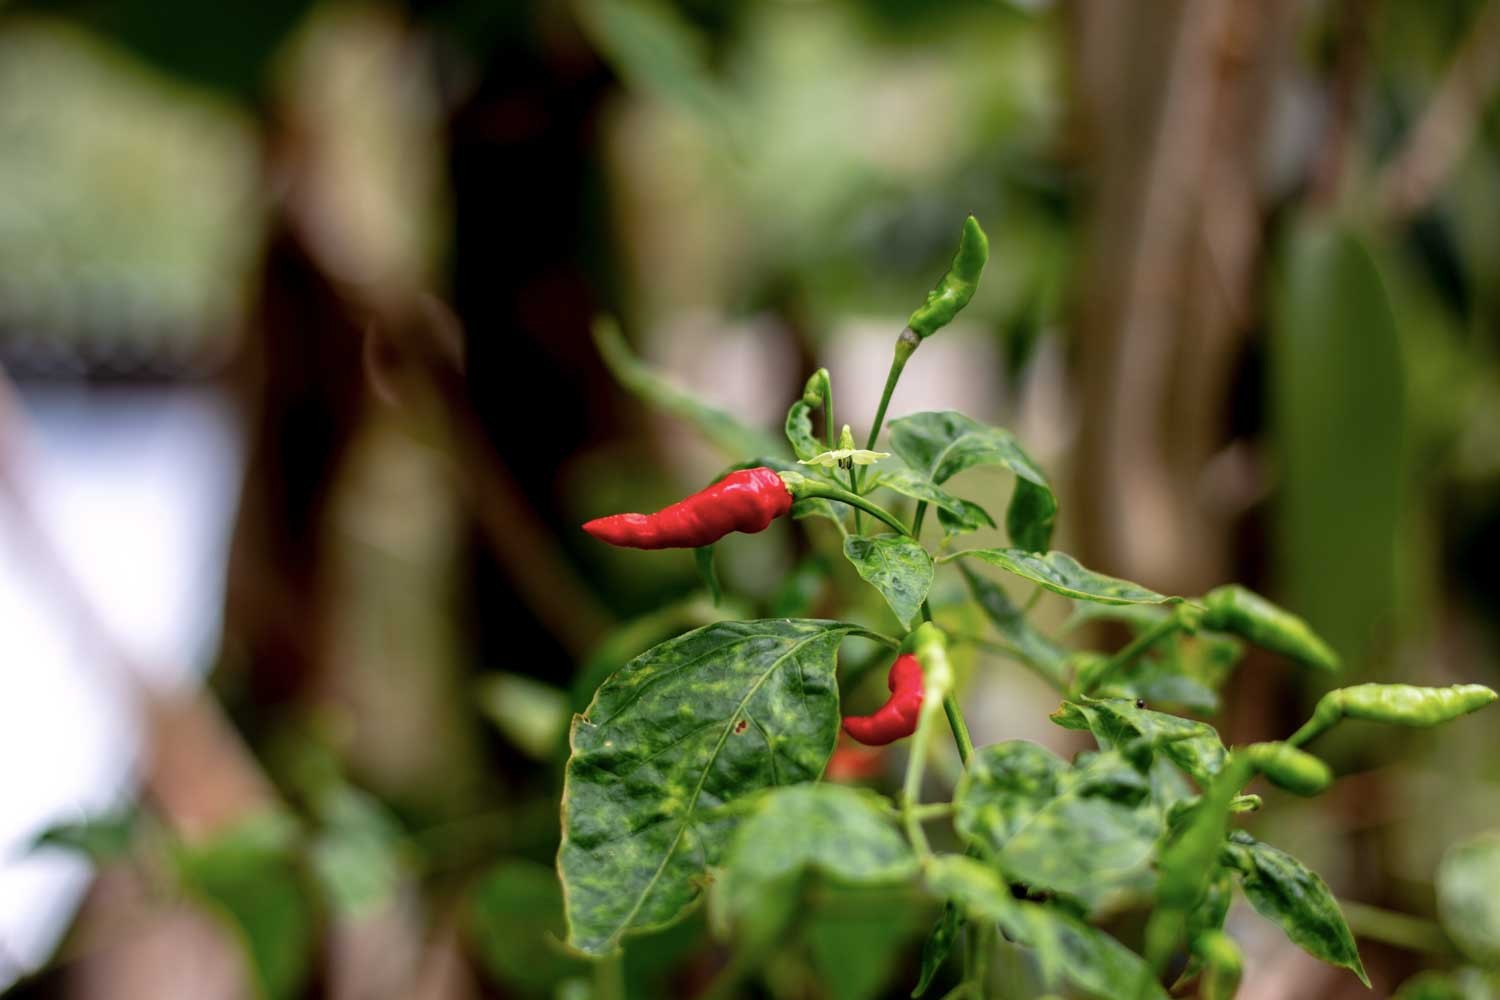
{"type": "Point", "coordinates": [249, 877]}
{"type": "Point", "coordinates": [939, 945]}
{"type": "Point", "coordinates": [703, 559]}
{"type": "Point", "coordinates": [799, 431]}
{"type": "Point", "coordinates": [728, 434]}
{"type": "Point", "coordinates": [658, 52]}
{"type": "Point", "coordinates": [531, 715]}
{"type": "Point", "coordinates": [1004, 786]}
{"type": "Point", "coordinates": [1468, 903]}
{"type": "Point", "coordinates": [1077, 831]}
{"type": "Point", "coordinates": [1031, 516]}
{"type": "Point", "coordinates": [1067, 949]}
{"type": "Point", "coordinates": [1286, 892]}
{"type": "Point", "coordinates": [897, 566]}
{"type": "Point", "coordinates": [103, 838]}
{"type": "Point", "coordinates": [800, 588]}
{"type": "Point", "coordinates": [942, 444]}
{"type": "Point", "coordinates": [860, 922]}
{"type": "Point", "coordinates": [689, 726]}
{"type": "Point", "coordinates": [833, 832]}
{"type": "Point", "coordinates": [1193, 746]}
{"type": "Point", "coordinates": [972, 518]}
{"type": "Point", "coordinates": [1061, 574]}
{"type": "Point", "coordinates": [898, 477]}
{"type": "Point", "coordinates": [357, 853]}
{"type": "Point", "coordinates": [515, 921]}
{"type": "Point", "coordinates": [1041, 653]}
{"type": "Point", "coordinates": [1338, 386]}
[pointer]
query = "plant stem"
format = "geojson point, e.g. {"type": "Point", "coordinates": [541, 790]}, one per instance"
{"type": "Point", "coordinates": [609, 976]}
{"type": "Point", "coordinates": [960, 728]}
{"type": "Point", "coordinates": [1135, 648]}
{"type": "Point", "coordinates": [1399, 929]}
{"type": "Point", "coordinates": [917, 518]}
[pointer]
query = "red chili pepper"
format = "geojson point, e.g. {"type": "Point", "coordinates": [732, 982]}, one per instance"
{"type": "Point", "coordinates": [898, 716]}
{"type": "Point", "coordinates": [851, 764]}
{"type": "Point", "coordinates": [747, 500]}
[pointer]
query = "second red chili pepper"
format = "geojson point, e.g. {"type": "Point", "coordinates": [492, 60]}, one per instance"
{"type": "Point", "coordinates": [898, 716]}
{"type": "Point", "coordinates": [747, 500]}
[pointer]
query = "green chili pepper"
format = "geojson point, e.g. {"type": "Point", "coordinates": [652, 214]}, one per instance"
{"type": "Point", "coordinates": [1222, 965]}
{"type": "Point", "coordinates": [957, 287]}
{"type": "Point", "coordinates": [1287, 767]}
{"type": "Point", "coordinates": [1245, 613]}
{"type": "Point", "coordinates": [1401, 704]}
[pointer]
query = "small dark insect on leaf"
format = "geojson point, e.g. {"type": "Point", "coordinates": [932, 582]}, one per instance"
{"type": "Point", "coordinates": [739, 727]}
{"type": "Point", "coordinates": [1140, 703]}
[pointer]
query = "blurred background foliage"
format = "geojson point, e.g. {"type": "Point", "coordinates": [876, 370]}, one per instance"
{"type": "Point", "coordinates": [1238, 305]}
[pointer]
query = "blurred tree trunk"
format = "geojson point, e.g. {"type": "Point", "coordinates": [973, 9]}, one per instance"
{"type": "Point", "coordinates": [1170, 100]}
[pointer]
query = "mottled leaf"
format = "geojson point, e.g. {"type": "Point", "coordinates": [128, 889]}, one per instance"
{"type": "Point", "coordinates": [1068, 950]}
{"type": "Point", "coordinates": [897, 566]}
{"type": "Point", "coordinates": [1061, 574]}
{"type": "Point", "coordinates": [691, 725]}
{"type": "Point", "coordinates": [972, 518]}
{"type": "Point", "coordinates": [1286, 892]}
{"type": "Point", "coordinates": [1004, 786]}
{"type": "Point", "coordinates": [898, 477]}
{"type": "Point", "coordinates": [1041, 653]}
{"type": "Point", "coordinates": [1193, 746]}
{"type": "Point", "coordinates": [834, 832]}
{"type": "Point", "coordinates": [1077, 831]}
{"type": "Point", "coordinates": [799, 431]}
{"type": "Point", "coordinates": [940, 445]}
{"type": "Point", "coordinates": [1468, 896]}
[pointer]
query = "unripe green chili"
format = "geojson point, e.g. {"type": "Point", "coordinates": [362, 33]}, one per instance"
{"type": "Point", "coordinates": [1401, 704]}
{"type": "Point", "coordinates": [1245, 613]}
{"type": "Point", "coordinates": [1222, 965]}
{"type": "Point", "coordinates": [957, 286]}
{"type": "Point", "coordinates": [1287, 767]}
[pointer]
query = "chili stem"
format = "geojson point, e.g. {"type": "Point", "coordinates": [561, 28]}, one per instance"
{"type": "Point", "coordinates": [810, 488]}
{"type": "Point", "coordinates": [1136, 648]}
{"type": "Point", "coordinates": [960, 728]}
{"type": "Point", "coordinates": [906, 343]}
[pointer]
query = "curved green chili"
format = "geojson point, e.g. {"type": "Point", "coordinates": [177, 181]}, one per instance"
{"type": "Point", "coordinates": [957, 286]}
{"type": "Point", "coordinates": [1245, 613]}
{"type": "Point", "coordinates": [1400, 704]}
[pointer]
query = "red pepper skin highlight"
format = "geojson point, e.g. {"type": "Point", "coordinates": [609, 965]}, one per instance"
{"type": "Point", "coordinates": [898, 716]}
{"type": "Point", "coordinates": [747, 500]}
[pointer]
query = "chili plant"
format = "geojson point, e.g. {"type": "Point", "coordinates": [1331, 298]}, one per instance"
{"type": "Point", "coordinates": [698, 768]}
